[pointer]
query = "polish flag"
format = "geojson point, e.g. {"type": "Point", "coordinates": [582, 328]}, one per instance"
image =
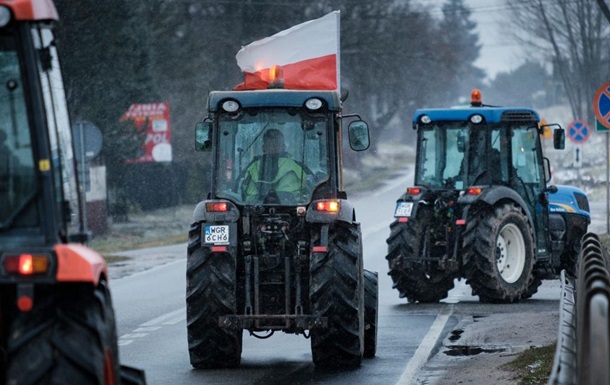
{"type": "Point", "coordinates": [308, 55]}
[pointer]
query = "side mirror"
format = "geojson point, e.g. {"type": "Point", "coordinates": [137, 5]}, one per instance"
{"type": "Point", "coordinates": [358, 132]}
{"type": "Point", "coordinates": [559, 139]}
{"type": "Point", "coordinates": [203, 136]}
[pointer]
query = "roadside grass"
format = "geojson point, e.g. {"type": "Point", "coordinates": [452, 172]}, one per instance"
{"type": "Point", "coordinates": [115, 243]}
{"type": "Point", "coordinates": [115, 258]}
{"type": "Point", "coordinates": [534, 365]}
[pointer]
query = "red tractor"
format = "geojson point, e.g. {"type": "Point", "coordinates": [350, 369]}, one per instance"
{"type": "Point", "coordinates": [57, 323]}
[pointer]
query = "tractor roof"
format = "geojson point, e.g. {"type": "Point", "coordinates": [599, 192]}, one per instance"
{"type": "Point", "coordinates": [273, 98]}
{"type": "Point", "coordinates": [490, 114]}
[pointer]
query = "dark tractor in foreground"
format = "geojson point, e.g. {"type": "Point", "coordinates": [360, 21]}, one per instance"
{"type": "Point", "coordinates": [276, 246]}
{"type": "Point", "coordinates": [481, 209]}
{"type": "Point", "coordinates": [57, 323]}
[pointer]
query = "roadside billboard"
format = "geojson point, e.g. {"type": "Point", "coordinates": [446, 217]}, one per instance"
{"type": "Point", "coordinates": [152, 120]}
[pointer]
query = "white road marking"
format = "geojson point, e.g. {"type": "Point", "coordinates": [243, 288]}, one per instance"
{"type": "Point", "coordinates": [422, 353]}
{"type": "Point", "coordinates": [175, 320]}
{"type": "Point", "coordinates": [144, 329]}
{"type": "Point", "coordinates": [147, 329]}
{"type": "Point", "coordinates": [165, 317]}
{"type": "Point", "coordinates": [134, 335]}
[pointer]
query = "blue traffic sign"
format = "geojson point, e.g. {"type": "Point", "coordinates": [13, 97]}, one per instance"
{"type": "Point", "coordinates": [578, 131]}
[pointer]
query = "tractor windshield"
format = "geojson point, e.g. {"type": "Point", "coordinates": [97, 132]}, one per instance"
{"type": "Point", "coordinates": [271, 156]}
{"type": "Point", "coordinates": [442, 151]}
{"type": "Point", "coordinates": [17, 172]}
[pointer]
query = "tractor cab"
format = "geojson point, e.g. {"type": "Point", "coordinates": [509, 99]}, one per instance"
{"type": "Point", "coordinates": [276, 147]}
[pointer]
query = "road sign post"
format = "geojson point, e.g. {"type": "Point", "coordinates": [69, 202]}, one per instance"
{"type": "Point", "coordinates": [601, 106]}
{"type": "Point", "coordinates": [577, 157]}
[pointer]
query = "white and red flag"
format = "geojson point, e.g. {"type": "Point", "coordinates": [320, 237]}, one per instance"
{"type": "Point", "coordinates": [307, 53]}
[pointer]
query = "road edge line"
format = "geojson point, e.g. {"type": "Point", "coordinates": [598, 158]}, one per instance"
{"type": "Point", "coordinates": [422, 354]}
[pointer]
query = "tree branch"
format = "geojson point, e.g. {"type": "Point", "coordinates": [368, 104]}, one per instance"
{"type": "Point", "coordinates": [604, 8]}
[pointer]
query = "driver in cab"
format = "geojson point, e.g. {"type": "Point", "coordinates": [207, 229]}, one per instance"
{"type": "Point", "coordinates": [274, 173]}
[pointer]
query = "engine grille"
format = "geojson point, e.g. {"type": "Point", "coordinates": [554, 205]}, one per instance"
{"type": "Point", "coordinates": [518, 116]}
{"type": "Point", "coordinates": [582, 201]}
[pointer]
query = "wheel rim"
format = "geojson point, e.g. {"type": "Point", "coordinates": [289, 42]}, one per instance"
{"type": "Point", "coordinates": [510, 253]}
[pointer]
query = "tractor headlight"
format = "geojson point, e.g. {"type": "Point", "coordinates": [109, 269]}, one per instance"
{"type": "Point", "coordinates": [425, 119]}
{"type": "Point", "coordinates": [313, 104]}
{"type": "Point", "coordinates": [5, 16]}
{"type": "Point", "coordinates": [230, 106]}
{"type": "Point", "coordinates": [476, 119]}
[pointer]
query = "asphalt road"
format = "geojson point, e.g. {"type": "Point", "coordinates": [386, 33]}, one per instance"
{"type": "Point", "coordinates": [150, 309]}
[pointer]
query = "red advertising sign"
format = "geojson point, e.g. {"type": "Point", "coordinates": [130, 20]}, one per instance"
{"type": "Point", "coordinates": [153, 120]}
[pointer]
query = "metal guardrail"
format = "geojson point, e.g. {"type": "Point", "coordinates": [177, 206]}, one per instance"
{"type": "Point", "coordinates": [582, 355]}
{"type": "Point", "coordinates": [564, 364]}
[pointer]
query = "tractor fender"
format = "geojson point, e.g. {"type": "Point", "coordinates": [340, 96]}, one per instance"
{"type": "Point", "coordinates": [346, 213]}
{"type": "Point", "coordinates": [493, 195]}
{"type": "Point", "coordinates": [200, 214]}
{"type": "Point", "coordinates": [78, 263]}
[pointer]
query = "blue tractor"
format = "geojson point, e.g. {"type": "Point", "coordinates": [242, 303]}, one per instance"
{"type": "Point", "coordinates": [481, 207]}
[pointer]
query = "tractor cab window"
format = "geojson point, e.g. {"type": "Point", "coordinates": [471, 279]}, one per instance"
{"type": "Point", "coordinates": [443, 150]}
{"type": "Point", "coordinates": [17, 168]}
{"type": "Point", "coordinates": [271, 156]}
{"type": "Point", "coordinates": [525, 156]}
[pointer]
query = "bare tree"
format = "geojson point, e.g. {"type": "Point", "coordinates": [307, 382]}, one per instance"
{"type": "Point", "coordinates": [605, 9]}
{"type": "Point", "coordinates": [574, 38]}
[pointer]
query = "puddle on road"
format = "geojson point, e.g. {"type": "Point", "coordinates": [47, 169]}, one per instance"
{"type": "Point", "coordinates": [458, 350]}
{"type": "Point", "coordinates": [455, 334]}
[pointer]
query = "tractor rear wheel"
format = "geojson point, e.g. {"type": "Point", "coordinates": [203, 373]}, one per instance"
{"type": "Point", "coordinates": [371, 312]}
{"type": "Point", "coordinates": [499, 255]}
{"type": "Point", "coordinates": [337, 293]}
{"type": "Point", "coordinates": [210, 294]}
{"type": "Point", "coordinates": [69, 337]}
{"type": "Point", "coordinates": [413, 279]}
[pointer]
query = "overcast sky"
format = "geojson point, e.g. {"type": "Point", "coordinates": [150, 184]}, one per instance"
{"type": "Point", "coordinates": [498, 53]}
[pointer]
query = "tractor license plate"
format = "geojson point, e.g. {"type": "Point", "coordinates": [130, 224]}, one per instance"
{"type": "Point", "coordinates": [403, 209]}
{"type": "Point", "coordinates": [217, 234]}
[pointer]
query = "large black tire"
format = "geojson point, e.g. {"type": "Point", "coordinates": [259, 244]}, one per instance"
{"type": "Point", "coordinates": [498, 250]}
{"type": "Point", "coordinates": [569, 257]}
{"type": "Point", "coordinates": [69, 337]}
{"type": "Point", "coordinates": [415, 281]}
{"type": "Point", "coordinates": [210, 293]}
{"type": "Point", "coordinates": [371, 312]}
{"type": "Point", "coordinates": [337, 292]}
